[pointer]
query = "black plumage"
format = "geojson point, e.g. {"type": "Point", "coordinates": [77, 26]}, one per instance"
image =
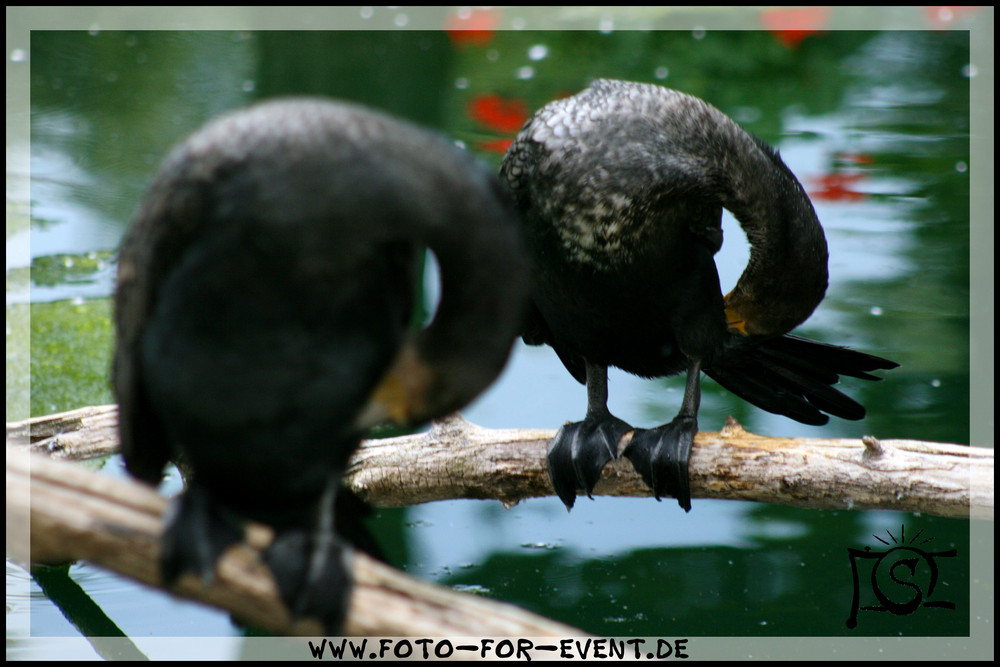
{"type": "Point", "coordinates": [263, 317]}
{"type": "Point", "coordinates": [621, 188]}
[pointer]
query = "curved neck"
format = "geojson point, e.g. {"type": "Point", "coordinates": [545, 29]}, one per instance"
{"type": "Point", "coordinates": [786, 277]}
{"type": "Point", "coordinates": [484, 287]}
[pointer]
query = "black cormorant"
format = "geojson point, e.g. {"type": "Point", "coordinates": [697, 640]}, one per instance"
{"type": "Point", "coordinates": [263, 307]}
{"type": "Point", "coordinates": [621, 188]}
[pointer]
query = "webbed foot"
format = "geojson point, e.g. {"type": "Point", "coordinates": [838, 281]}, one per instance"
{"type": "Point", "coordinates": [661, 456]}
{"type": "Point", "coordinates": [580, 451]}
{"type": "Point", "coordinates": [198, 530]}
{"type": "Point", "coordinates": [312, 575]}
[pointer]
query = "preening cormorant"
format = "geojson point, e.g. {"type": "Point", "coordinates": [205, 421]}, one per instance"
{"type": "Point", "coordinates": [621, 188]}
{"type": "Point", "coordinates": [263, 308]}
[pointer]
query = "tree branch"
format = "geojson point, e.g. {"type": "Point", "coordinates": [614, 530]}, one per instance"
{"type": "Point", "coordinates": [456, 459]}
{"type": "Point", "coordinates": [116, 524]}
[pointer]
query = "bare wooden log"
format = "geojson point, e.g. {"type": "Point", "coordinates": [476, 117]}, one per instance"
{"type": "Point", "coordinates": [456, 459]}
{"type": "Point", "coordinates": [77, 514]}
{"type": "Point", "coordinates": [75, 435]}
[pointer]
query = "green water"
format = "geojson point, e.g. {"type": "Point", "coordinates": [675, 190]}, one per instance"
{"type": "Point", "coordinates": [874, 124]}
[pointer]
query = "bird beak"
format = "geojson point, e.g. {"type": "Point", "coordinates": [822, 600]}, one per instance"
{"type": "Point", "coordinates": [387, 404]}
{"type": "Point", "coordinates": [401, 396]}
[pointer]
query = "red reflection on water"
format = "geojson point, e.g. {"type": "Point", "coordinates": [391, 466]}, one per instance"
{"type": "Point", "coordinates": [838, 187]}
{"type": "Point", "coordinates": [791, 26]}
{"type": "Point", "coordinates": [855, 158]}
{"type": "Point", "coordinates": [497, 113]}
{"type": "Point", "coordinates": [471, 27]}
{"type": "Point", "coordinates": [495, 146]}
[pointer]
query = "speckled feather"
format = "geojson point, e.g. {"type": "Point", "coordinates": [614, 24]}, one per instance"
{"type": "Point", "coordinates": [601, 161]}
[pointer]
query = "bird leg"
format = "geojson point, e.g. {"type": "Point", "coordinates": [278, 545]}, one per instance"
{"type": "Point", "coordinates": [580, 450]}
{"type": "Point", "coordinates": [310, 568]}
{"type": "Point", "coordinates": [198, 530]}
{"type": "Point", "coordinates": [661, 454]}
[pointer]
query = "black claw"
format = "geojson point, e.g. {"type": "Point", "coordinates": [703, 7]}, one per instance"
{"type": "Point", "coordinates": [312, 576]}
{"type": "Point", "coordinates": [309, 566]}
{"type": "Point", "coordinates": [580, 451]}
{"type": "Point", "coordinates": [661, 456]}
{"type": "Point", "coordinates": [198, 530]}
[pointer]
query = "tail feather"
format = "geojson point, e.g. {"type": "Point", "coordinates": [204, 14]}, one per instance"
{"type": "Point", "coordinates": [793, 376]}
{"type": "Point", "coordinates": [834, 358]}
{"type": "Point", "coordinates": [767, 395]}
{"type": "Point", "coordinates": [819, 392]}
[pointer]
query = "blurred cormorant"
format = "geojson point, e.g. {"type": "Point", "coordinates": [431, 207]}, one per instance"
{"type": "Point", "coordinates": [621, 188]}
{"type": "Point", "coordinates": [263, 308]}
